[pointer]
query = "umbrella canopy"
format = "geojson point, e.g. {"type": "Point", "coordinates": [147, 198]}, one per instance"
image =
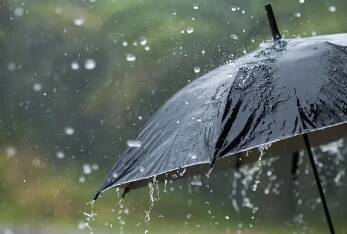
{"type": "Point", "coordinates": [277, 92]}
{"type": "Point", "coordinates": [281, 91]}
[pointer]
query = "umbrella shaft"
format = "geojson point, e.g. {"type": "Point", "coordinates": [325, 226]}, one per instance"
{"type": "Point", "coordinates": [319, 185]}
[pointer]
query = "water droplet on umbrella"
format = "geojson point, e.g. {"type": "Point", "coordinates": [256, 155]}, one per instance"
{"type": "Point", "coordinates": [89, 64]}
{"type": "Point", "coordinates": [134, 144]}
{"type": "Point", "coordinates": [131, 57]}
{"type": "Point", "coordinates": [82, 179]}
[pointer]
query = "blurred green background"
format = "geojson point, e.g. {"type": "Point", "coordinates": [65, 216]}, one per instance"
{"type": "Point", "coordinates": [79, 78]}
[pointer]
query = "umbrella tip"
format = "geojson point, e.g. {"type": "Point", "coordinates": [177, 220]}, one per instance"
{"type": "Point", "coordinates": [97, 195]}
{"type": "Point", "coordinates": [273, 24]}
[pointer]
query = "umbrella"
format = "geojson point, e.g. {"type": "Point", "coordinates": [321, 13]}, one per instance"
{"type": "Point", "coordinates": [285, 92]}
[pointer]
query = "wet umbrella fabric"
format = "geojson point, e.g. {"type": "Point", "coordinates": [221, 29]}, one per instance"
{"type": "Point", "coordinates": [277, 92]}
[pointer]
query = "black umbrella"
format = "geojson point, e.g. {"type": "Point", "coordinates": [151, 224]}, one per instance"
{"type": "Point", "coordinates": [284, 91]}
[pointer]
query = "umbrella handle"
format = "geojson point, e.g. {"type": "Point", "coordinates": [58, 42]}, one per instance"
{"type": "Point", "coordinates": [318, 182]}
{"type": "Point", "coordinates": [272, 21]}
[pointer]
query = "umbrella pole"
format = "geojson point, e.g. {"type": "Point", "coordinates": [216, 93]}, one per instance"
{"type": "Point", "coordinates": [318, 182]}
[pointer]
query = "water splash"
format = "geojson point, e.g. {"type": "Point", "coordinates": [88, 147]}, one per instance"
{"type": "Point", "coordinates": [89, 217]}
{"type": "Point", "coordinates": [154, 196]}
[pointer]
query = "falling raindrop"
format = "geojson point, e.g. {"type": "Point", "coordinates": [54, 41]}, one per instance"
{"type": "Point", "coordinates": [19, 11]}
{"type": "Point", "coordinates": [78, 21]}
{"type": "Point", "coordinates": [69, 131]}
{"type": "Point", "coordinates": [37, 87]}
{"type": "Point", "coordinates": [11, 151]}
{"type": "Point", "coordinates": [60, 154]}
{"type": "Point", "coordinates": [234, 37]}
{"type": "Point", "coordinates": [58, 10]}
{"type": "Point", "coordinates": [190, 30]}
{"type": "Point", "coordinates": [131, 57]}
{"type": "Point", "coordinates": [195, 6]}
{"type": "Point", "coordinates": [89, 64]}
{"type": "Point", "coordinates": [82, 179]}
{"type": "Point", "coordinates": [134, 144]}
{"type": "Point", "coordinates": [75, 66]}
{"type": "Point", "coordinates": [87, 169]}
{"type": "Point", "coordinates": [332, 8]}
{"type": "Point", "coordinates": [196, 69]}
{"type": "Point", "coordinates": [147, 48]}
{"type": "Point", "coordinates": [11, 66]}
{"type": "Point", "coordinates": [297, 15]}
{"type": "Point", "coordinates": [301, 1]}
{"type": "Point", "coordinates": [143, 41]}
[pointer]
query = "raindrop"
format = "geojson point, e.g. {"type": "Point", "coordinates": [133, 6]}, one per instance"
{"type": "Point", "coordinates": [37, 87]}
{"type": "Point", "coordinates": [58, 10]}
{"type": "Point", "coordinates": [8, 231]}
{"type": "Point", "coordinates": [297, 14]}
{"type": "Point", "coordinates": [131, 57]}
{"type": "Point", "coordinates": [301, 1]}
{"type": "Point", "coordinates": [147, 48]}
{"type": "Point", "coordinates": [140, 117]}
{"type": "Point", "coordinates": [11, 151]}
{"type": "Point", "coordinates": [87, 169]}
{"type": "Point", "coordinates": [234, 37]}
{"type": "Point", "coordinates": [233, 8]}
{"type": "Point", "coordinates": [125, 43]}
{"type": "Point", "coordinates": [196, 69]}
{"type": "Point", "coordinates": [78, 21]}
{"type": "Point", "coordinates": [332, 8]}
{"type": "Point", "coordinates": [143, 41]}
{"type": "Point", "coordinates": [82, 225]}
{"type": "Point", "coordinates": [69, 131]}
{"type": "Point", "coordinates": [134, 144]}
{"type": "Point", "coordinates": [192, 155]}
{"type": "Point", "coordinates": [82, 179]}
{"type": "Point", "coordinates": [89, 64]}
{"type": "Point", "coordinates": [60, 154]}
{"type": "Point", "coordinates": [190, 30]}
{"type": "Point", "coordinates": [19, 11]}
{"type": "Point", "coordinates": [195, 6]}
{"type": "Point", "coordinates": [11, 66]}
{"type": "Point", "coordinates": [75, 66]}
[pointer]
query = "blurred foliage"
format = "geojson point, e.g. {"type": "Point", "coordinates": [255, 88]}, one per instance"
{"type": "Point", "coordinates": [41, 94]}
